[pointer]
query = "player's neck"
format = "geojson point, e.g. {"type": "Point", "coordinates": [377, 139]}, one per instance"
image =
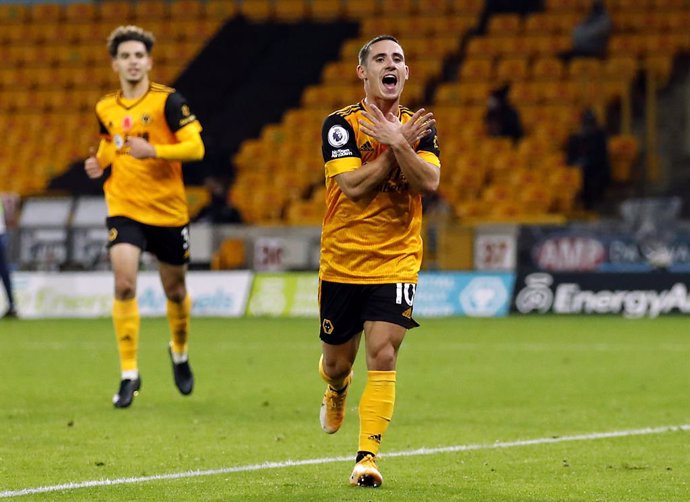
{"type": "Point", "coordinates": [384, 105]}
{"type": "Point", "coordinates": [134, 90]}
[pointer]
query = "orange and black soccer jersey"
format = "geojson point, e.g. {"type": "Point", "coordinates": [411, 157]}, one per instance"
{"type": "Point", "coordinates": [150, 191]}
{"type": "Point", "coordinates": [379, 242]}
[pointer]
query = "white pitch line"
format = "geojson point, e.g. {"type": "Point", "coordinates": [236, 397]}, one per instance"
{"type": "Point", "coordinates": [320, 461]}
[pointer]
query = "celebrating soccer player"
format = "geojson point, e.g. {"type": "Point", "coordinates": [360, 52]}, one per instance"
{"type": "Point", "coordinates": [380, 158]}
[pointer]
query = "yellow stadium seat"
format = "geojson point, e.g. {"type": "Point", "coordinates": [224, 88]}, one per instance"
{"type": "Point", "coordinates": [230, 255]}
{"type": "Point", "coordinates": [463, 93]}
{"type": "Point", "coordinates": [403, 8]}
{"type": "Point", "coordinates": [503, 24]}
{"type": "Point", "coordinates": [661, 66]}
{"type": "Point", "coordinates": [291, 10]}
{"type": "Point", "coordinates": [150, 10]}
{"type": "Point", "coordinates": [221, 9]}
{"type": "Point", "coordinates": [541, 22]}
{"type": "Point", "coordinates": [117, 11]}
{"type": "Point", "coordinates": [434, 8]}
{"type": "Point", "coordinates": [46, 12]}
{"type": "Point", "coordinates": [512, 69]}
{"type": "Point", "coordinates": [626, 44]}
{"type": "Point", "coordinates": [584, 68]}
{"type": "Point", "coordinates": [326, 10]}
{"type": "Point", "coordinates": [359, 9]}
{"type": "Point", "coordinates": [547, 68]}
{"type": "Point", "coordinates": [339, 71]}
{"type": "Point", "coordinates": [470, 209]}
{"type": "Point", "coordinates": [620, 66]}
{"type": "Point", "coordinates": [473, 7]}
{"type": "Point", "coordinates": [499, 192]}
{"type": "Point", "coordinates": [187, 9]}
{"type": "Point", "coordinates": [84, 12]}
{"type": "Point", "coordinates": [13, 12]}
{"type": "Point", "coordinates": [623, 151]}
{"type": "Point", "coordinates": [476, 69]}
{"type": "Point", "coordinates": [484, 47]}
{"type": "Point", "coordinates": [535, 198]}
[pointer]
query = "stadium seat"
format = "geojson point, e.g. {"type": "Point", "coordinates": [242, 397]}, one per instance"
{"type": "Point", "coordinates": [49, 13]}
{"type": "Point", "coordinates": [13, 13]}
{"type": "Point", "coordinates": [220, 9]}
{"type": "Point", "coordinates": [470, 209]}
{"type": "Point", "coordinates": [150, 10]}
{"type": "Point", "coordinates": [512, 69]}
{"type": "Point", "coordinates": [403, 8]}
{"type": "Point", "coordinates": [116, 12]}
{"type": "Point", "coordinates": [257, 10]}
{"type": "Point", "coordinates": [535, 198]}
{"type": "Point", "coordinates": [483, 47]}
{"type": "Point", "coordinates": [475, 69]}
{"type": "Point", "coordinates": [187, 9]}
{"type": "Point", "coordinates": [584, 69]}
{"type": "Point", "coordinates": [620, 66]}
{"type": "Point", "coordinates": [291, 10]}
{"type": "Point", "coordinates": [541, 22]}
{"type": "Point", "coordinates": [360, 9]}
{"type": "Point", "coordinates": [623, 152]}
{"type": "Point", "coordinates": [230, 255]}
{"type": "Point", "coordinates": [504, 24]}
{"type": "Point", "coordinates": [326, 10]}
{"type": "Point", "coordinates": [547, 68]}
{"type": "Point", "coordinates": [473, 7]}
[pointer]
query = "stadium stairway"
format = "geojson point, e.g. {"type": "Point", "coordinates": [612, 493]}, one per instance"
{"type": "Point", "coordinates": [248, 75]}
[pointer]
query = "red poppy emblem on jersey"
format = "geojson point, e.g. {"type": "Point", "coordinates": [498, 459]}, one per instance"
{"type": "Point", "coordinates": [127, 123]}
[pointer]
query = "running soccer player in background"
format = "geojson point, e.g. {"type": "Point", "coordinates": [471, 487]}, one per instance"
{"type": "Point", "coordinates": [147, 130]}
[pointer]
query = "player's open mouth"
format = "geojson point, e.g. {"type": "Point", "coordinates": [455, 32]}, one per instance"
{"type": "Point", "coordinates": [389, 81]}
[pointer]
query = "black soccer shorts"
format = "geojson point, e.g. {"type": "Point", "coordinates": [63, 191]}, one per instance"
{"type": "Point", "coordinates": [345, 307]}
{"type": "Point", "coordinates": [169, 244]}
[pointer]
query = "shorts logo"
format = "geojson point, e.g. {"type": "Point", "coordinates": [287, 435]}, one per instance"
{"type": "Point", "coordinates": [337, 136]}
{"type": "Point", "coordinates": [327, 326]}
{"type": "Point", "coordinates": [112, 234]}
{"type": "Point", "coordinates": [408, 313]}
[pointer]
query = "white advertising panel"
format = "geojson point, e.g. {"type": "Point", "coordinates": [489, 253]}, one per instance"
{"type": "Point", "coordinates": [90, 294]}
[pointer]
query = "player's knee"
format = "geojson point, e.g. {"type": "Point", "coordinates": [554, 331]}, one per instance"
{"type": "Point", "coordinates": [176, 294]}
{"type": "Point", "coordinates": [383, 359]}
{"type": "Point", "coordinates": [125, 289]}
{"type": "Point", "coordinates": [337, 368]}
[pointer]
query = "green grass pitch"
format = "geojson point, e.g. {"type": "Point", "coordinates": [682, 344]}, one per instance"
{"type": "Point", "coordinates": [482, 385]}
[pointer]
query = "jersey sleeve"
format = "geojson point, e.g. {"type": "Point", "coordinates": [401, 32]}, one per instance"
{"type": "Point", "coordinates": [177, 112]}
{"type": "Point", "coordinates": [428, 148]}
{"type": "Point", "coordinates": [339, 146]}
{"type": "Point", "coordinates": [102, 129]}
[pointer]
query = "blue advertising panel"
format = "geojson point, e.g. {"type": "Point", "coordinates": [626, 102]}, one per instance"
{"type": "Point", "coordinates": [463, 294]}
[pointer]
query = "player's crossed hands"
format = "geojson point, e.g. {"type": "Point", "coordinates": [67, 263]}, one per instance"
{"type": "Point", "coordinates": [387, 129]}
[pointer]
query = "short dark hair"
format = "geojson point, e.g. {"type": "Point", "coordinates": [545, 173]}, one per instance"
{"type": "Point", "coordinates": [127, 33]}
{"type": "Point", "coordinates": [364, 51]}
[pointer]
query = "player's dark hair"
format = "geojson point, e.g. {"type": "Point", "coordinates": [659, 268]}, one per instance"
{"type": "Point", "coordinates": [364, 51]}
{"type": "Point", "coordinates": [127, 33]}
